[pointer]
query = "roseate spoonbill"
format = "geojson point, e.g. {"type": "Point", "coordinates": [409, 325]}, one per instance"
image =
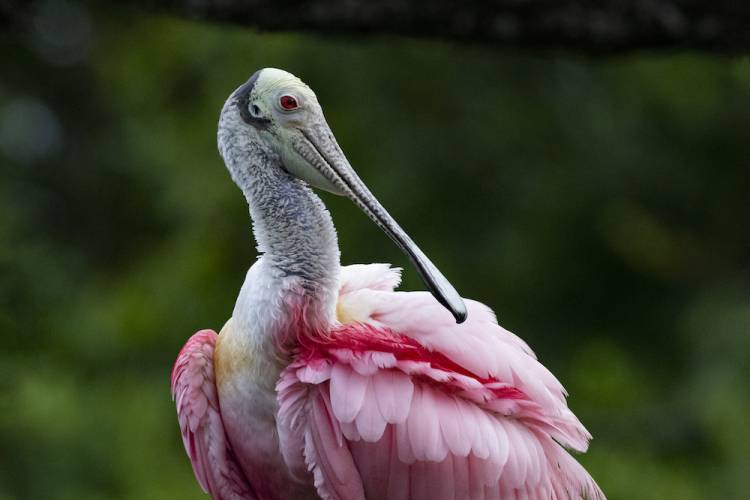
{"type": "Point", "coordinates": [325, 382]}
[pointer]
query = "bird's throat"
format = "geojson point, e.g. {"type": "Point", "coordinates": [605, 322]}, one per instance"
{"type": "Point", "coordinates": [297, 273]}
{"type": "Point", "coordinates": [293, 229]}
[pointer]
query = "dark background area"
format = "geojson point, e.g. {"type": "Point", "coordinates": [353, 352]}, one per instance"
{"type": "Point", "coordinates": [598, 204]}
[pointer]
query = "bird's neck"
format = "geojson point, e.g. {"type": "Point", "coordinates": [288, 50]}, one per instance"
{"type": "Point", "coordinates": [296, 281]}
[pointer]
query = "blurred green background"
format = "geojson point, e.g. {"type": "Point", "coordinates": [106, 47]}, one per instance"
{"type": "Point", "coordinates": [599, 205]}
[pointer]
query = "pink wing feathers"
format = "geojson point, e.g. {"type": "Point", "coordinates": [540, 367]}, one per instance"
{"type": "Point", "coordinates": [194, 391]}
{"type": "Point", "coordinates": [405, 404]}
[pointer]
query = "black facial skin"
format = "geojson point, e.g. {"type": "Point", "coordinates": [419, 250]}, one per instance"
{"type": "Point", "coordinates": [243, 103]}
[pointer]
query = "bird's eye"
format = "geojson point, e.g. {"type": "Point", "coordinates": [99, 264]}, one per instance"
{"type": "Point", "coordinates": [288, 102]}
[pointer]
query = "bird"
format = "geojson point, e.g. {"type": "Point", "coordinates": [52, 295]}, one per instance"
{"type": "Point", "coordinates": [328, 383]}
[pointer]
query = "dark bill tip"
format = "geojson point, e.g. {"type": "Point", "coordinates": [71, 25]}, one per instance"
{"type": "Point", "coordinates": [460, 315]}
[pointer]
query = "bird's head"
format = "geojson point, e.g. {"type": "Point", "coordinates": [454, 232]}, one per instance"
{"type": "Point", "coordinates": [275, 112]}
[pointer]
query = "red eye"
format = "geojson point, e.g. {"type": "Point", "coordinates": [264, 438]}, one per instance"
{"type": "Point", "coordinates": [288, 102]}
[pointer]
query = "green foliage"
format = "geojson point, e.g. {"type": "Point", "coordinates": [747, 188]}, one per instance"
{"type": "Point", "coordinates": [599, 206]}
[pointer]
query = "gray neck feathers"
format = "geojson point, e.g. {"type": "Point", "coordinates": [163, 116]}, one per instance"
{"type": "Point", "coordinates": [292, 227]}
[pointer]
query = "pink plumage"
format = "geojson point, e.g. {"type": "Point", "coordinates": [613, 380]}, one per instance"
{"type": "Point", "coordinates": [325, 382]}
{"type": "Point", "coordinates": [399, 402]}
{"type": "Point", "coordinates": [194, 391]}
